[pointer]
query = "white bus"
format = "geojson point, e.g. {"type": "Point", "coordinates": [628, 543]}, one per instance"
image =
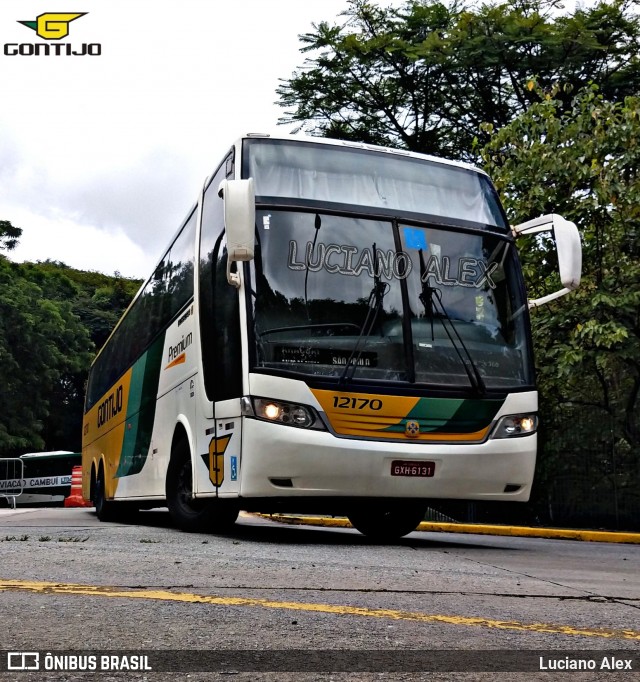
{"type": "Point", "coordinates": [335, 328]}
{"type": "Point", "coordinates": [45, 477]}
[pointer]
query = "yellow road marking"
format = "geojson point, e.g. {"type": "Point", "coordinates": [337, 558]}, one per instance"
{"type": "Point", "coordinates": [342, 610]}
{"type": "Point", "coordinates": [474, 529]}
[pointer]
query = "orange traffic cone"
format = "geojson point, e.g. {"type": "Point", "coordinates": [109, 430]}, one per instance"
{"type": "Point", "coordinates": [75, 498]}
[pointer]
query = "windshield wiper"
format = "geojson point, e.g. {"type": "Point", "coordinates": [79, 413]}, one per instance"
{"type": "Point", "coordinates": [431, 299]}
{"type": "Point", "coordinates": [317, 224]}
{"type": "Point", "coordinates": [374, 306]}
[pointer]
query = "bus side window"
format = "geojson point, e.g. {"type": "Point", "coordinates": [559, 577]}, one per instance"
{"type": "Point", "coordinates": [179, 277]}
{"type": "Point", "coordinates": [219, 304]}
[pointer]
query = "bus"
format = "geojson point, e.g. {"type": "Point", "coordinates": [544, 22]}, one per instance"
{"type": "Point", "coordinates": [47, 477]}
{"type": "Point", "coordinates": [335, 328]}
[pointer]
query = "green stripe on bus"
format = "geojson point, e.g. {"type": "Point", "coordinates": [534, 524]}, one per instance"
{"type": "Point", "coordinates": [450, 415]}
{"type": "Point", "coordinates": [141, 410]}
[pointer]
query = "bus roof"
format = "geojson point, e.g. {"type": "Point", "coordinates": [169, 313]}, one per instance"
{"type": "Point", "coordinates": [49, 455]}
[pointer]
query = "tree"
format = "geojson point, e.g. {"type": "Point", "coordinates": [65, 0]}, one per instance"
{"type": "Point", "coordinates": [9, 235]}
{"type": "Point", "coordinates": [42, 347]}
{"type": "Point", "coordinates": [585, 164]}
{"type": "Point", "coordinates": [426, 76]}
{"type": "Point", "coordinates": [52, 319]}
{"type": "Point", "coordinates": [97, 299]}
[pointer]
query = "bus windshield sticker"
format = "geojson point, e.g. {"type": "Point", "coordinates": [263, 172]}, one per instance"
{"type": "Point", "coordinates": [415, 238]}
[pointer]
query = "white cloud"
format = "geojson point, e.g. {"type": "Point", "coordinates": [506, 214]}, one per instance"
{"type": "Point", "coordinates": [101, 157]}
{"type": "Point", "coordinates": [81, 245]}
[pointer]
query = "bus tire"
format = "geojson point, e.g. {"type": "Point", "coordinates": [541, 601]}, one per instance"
{"type": "Point", "coordinates": [105, 509]}
{"type": "Point", "coordinates": [189, 514]}
{"type": "Point", "coordinates": [389, 522]}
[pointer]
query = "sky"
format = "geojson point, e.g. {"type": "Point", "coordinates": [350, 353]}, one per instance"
{"type": "Point", "coordinates": [102, 156]}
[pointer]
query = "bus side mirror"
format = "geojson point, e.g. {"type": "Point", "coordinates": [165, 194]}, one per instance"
{"type": "Point", "coordinates": [239, 222]}
{"type": "Point", "coordinates": [568, 248]}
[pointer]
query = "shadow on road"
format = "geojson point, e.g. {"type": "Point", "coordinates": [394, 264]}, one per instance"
{"type": "Point", "coordinates": [261, 530]}
{"type": "Point", "coordinates": [249, 528]}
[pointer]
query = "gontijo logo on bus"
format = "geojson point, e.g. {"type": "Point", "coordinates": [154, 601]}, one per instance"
{"type": "Point", "coordinates": [53, 25]}
{"type": "Point", "coordinates": [110, 407]}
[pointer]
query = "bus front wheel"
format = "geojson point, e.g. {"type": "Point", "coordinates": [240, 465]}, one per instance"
{"type": "Point", "coordinates": [190, 514]}
{"type": "Point", "coordinates": [382, 522]}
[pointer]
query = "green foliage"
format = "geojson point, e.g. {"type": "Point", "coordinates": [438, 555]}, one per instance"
{"type": "Point", "coordinates": [52, 319]}
{"type": "Point", "coordinates": [427, 76]}
{"type": "Point", "coordinates": [583, 163]}
{"type": "Point", "coordinates": [9, 235]}
{"type": "Point", "coordinates": [97, 299]}
{"type": "Point", "coordinates": [42, 346]}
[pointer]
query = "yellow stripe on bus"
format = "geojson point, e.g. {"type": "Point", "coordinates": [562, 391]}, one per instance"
{"type": "Point", "coordinates": [103, 435]}
{"type": "Point", "coordinates": [373, 416]}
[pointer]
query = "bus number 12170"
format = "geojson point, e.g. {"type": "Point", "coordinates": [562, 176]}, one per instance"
{"type": "Point", "coordinates": [346, 402]}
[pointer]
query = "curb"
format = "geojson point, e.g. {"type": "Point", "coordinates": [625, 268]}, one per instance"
{"type": "Point", "coordinates": [473, 529]}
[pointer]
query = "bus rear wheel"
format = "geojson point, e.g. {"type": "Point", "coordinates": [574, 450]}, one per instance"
{"type": "Point", "coordinates": [105, 509]}
{"type": "Point", "coordinates": [386, 522]}
{"type": "Point", "coordinates": [190, 514]}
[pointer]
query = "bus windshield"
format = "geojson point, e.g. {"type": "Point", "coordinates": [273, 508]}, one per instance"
{"type": "Point", "coordinates": [366, 298]}
{"type": "Point", "coordinates": [389, 181]}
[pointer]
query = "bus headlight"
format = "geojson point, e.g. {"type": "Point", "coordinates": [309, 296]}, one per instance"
{"type": "Point", "coordinates": [282, 412]}
{"type": "Point", "coordinates": [513, 425]}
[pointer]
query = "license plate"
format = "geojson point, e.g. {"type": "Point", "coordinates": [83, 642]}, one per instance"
{"type": "Point", "coordinates": [412, 468]}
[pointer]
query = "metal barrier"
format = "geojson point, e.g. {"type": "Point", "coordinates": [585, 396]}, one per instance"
{"type": "Point", "coordinates": [11, 479]}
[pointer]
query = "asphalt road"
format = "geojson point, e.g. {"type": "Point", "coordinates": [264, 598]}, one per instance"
{"type": "Point", "coordinates": [327, 597]}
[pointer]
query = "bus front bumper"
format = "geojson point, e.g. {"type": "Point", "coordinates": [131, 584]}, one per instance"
{"type": "Point", "coordinates": [284, 461]}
